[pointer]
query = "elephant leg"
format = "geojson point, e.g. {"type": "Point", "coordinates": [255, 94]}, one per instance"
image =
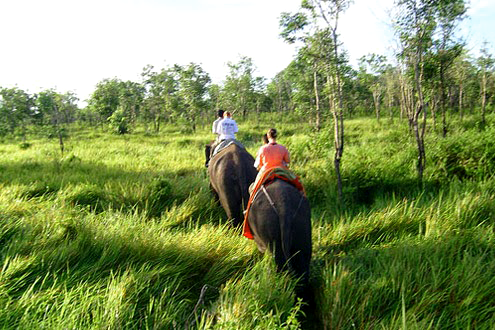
{"type": "Point", "coordinates": [207, 154]}
{"type": "Point", "coordinates": [280, 259]}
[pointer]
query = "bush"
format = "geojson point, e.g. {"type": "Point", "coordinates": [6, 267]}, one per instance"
{"type": "Point", "coordinates": [119, 122]}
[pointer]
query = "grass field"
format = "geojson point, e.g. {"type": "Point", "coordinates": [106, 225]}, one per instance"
{"type": "Point", "coordinates": [121, 232]}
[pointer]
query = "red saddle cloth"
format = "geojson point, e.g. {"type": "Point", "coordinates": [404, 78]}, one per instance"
{"type": "Point", "coordinates": [266, 178]}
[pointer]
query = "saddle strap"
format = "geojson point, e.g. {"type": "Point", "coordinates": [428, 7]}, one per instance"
{"type": "Point", "coordinates": [269, 199]}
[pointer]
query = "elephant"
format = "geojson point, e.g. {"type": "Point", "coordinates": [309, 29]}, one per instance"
{"type": "Point", "coordinates": [280, 220]}
{"type": "Point", "coordinates": [231, 171]}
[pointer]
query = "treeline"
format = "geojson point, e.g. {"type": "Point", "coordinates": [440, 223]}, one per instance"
{"type": "Point", "coordinates": [431, 75]}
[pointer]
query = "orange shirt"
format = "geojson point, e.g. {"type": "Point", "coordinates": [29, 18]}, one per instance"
{"type": "Point", "coordinates": [272, 155]}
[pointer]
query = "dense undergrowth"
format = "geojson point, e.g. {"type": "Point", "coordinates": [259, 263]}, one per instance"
{"type": "Point", "coordinates": [121, 232]}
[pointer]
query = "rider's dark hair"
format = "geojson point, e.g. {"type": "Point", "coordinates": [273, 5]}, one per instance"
{"type": "Point", "coordinates": [272, 133]}
{"type": "Point", "coordinates": [220, 113]}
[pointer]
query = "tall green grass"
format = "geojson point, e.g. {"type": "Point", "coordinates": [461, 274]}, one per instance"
{"type": "Point", "coordinates": [122, 232]}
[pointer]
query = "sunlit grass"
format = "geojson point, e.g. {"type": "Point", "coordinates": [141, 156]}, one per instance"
{"type": "Point", "coordinates": [122, 232]}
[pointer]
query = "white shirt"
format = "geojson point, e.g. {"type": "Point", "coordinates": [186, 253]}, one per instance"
{"type": "Point", "coordinates": [227, 129]}
{"type": "Point", "coordinates": [214, 127]}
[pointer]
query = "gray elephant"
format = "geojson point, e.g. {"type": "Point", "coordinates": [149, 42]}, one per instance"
{"type": "Point", "coordinates": [231, 171]}
{"type": "Point", "coordinates": [279, 219]}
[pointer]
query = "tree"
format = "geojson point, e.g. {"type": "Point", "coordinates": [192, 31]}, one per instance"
{"type": "Point", "coordinates": [415, 24]}
{"type": "Point", "coordinates": [329, 11]}
{"type": "Point", "coordinates": [131, 99]}
{"type": "Point", "coordinates": [16, 110]}
{"type": "Point", "coordinates": [238, 90]}
{"type": "Point", "coordinates": [57, 109]}
{"type": "Point", "coordinates": [372, 69]}
{"type": "Point", "coordinates": [193, 86]}
{"type": "Point", "coordinates": [485, 65]}
{"type": "Point", "coordinates": [161, 100]}
{"type": "Point", "coordinates": [280, 90]}
{"type": "Point", "coordinates": [106, 98]}
{"type": "Point", "coordinates": [448, 14]}
{"type": "Point", "coordinates": [460, 73]}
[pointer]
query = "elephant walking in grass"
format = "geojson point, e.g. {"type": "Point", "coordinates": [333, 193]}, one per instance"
{"type": "Point", "coordinates": [231, 171]}
{"type": "Point", "coordinates": [280, 221]}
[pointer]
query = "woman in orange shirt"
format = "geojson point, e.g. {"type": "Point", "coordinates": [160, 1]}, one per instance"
{"type": "Point", "coordinates": [272, 154]}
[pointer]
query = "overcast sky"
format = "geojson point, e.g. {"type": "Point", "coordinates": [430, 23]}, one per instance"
{"type": "Point", "coordinates": [71, 45]}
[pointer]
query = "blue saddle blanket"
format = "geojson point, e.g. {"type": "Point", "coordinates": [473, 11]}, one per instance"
{"type": "Point", "coordinates": [224, 144]}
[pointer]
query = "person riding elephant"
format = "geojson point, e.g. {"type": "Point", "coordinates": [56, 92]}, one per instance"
{"type": "Point", "coordinates": [225, 128]}
{"type": "Point", "coordinates": [271, 155]}
{"type": "Point", "coordinates": [231, 171]}
{"type": "Point", "coordinates": [214, 126]}
{"type": "Point", "coordinates": [278, 216]}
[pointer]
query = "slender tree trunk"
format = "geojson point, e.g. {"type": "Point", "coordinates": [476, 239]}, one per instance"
{"type": "Point", "coordinates": [442, 101]}
{"type": "Point", "coordinates": [59, 130]}
{"type": "Point", "coordinates": [317, 101]}
{"type": "Point", "coordinates": [419, 132]}
{"type": "Point", "coordinates": [338, 116]}
{"type": "Point", "coordinates": [483, 98]}
{"type": "Point", "coordinates": [434, 102]}
{"type": "Point", "coordinates": [376, 102]}
{"type": "Point", "coordinates": [460, 101]}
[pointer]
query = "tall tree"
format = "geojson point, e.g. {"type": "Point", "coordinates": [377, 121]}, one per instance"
{"type": "Point", "coordinates": [415, 24]}
{"type": "Point", "coordinates": [161, 100]}
{"type": "Point", "coordinates": [56, 108]}
{"type": "Point", "coordinates": [105, 98]}
{"type": "Point", "coordinates": [485, 66]}
{"type": "Point", "coordinates": [193, 86]}
{"type": "Point", "coordinates": [372, 69]}
{"type": "Point", "coordinates": [460, 72]}
{"type": "Point", "coordinates": [329, 11]}
{"type": "Point", "coordinates": [16, 110]}
{"type": "Point", "coordinates": [238, 91]}
{"type": "Point", "coordinates": [448, 14]}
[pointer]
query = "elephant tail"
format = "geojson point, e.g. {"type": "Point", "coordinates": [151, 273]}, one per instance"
{"type": "Point", "coordinates": [283, 247]}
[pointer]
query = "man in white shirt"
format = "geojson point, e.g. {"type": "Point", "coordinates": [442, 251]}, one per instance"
{"type": "Point", "coordinates": [214, 127]}
{"type": "Point", "coordinates": [227, 127]}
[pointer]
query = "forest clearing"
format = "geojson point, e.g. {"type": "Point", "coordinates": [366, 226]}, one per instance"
{"type": "Point", "coordinates": [122, 232]}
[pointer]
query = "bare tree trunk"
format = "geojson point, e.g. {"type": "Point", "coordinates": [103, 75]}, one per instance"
{"type": "Point", "coordinates": [338, 117]}
{"type": "Point", "coordinates": [461, 114]}
{"type": "Point", "coordinates": [419, 132]}
{"type": "Point", "coordinates": [434, 102]}
{"type": "Point", "coordinates": [59, 130]}
{"type": "Point", "coordinates": [483, 99]}
{"type": "Point", "coordinates": [442, 101]}
{"type": "Point", "coordinates": [317, 101]}
{"type": "Point", "coordinates": [376, 102]}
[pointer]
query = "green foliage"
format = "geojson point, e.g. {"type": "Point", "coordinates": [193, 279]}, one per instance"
{"type": "Point", "coordinates": [160, 196]}
{"type": "Point", "coordinates": [119, 122]}
{"type": "Point", "coordinates": [469, 156]}
{"type": "Point", "coordinates": [90, 197]}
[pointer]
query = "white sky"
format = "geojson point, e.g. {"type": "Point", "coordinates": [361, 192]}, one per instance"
{"type": "Point", "coordinates": [71, 45]}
